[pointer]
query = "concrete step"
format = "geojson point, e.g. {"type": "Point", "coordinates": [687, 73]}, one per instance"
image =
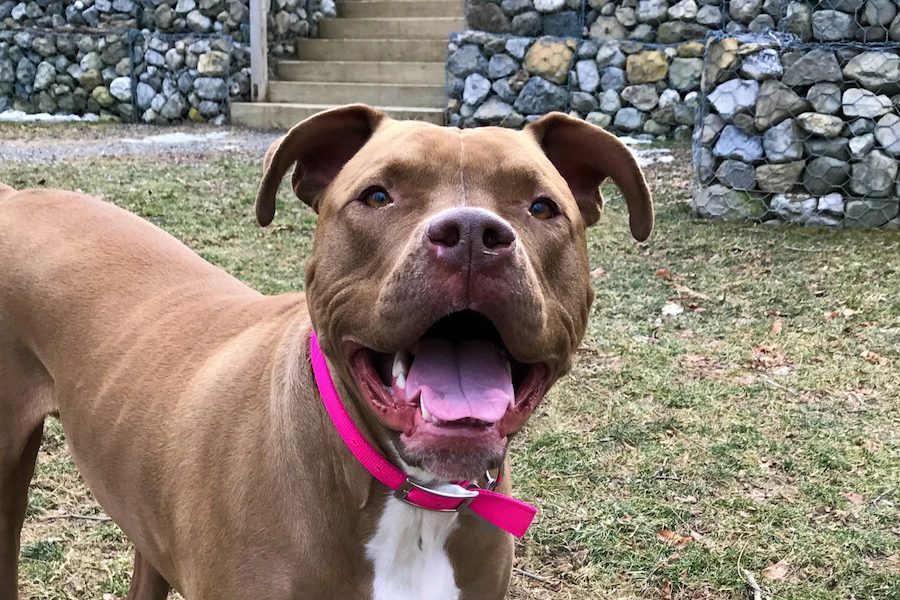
{"type": "Point", "coordinates": [400, 8]}
{"type": "Point", "coordinates": [257, 115]}
{"type": "Point", "coordinates": [373, 50]}
{"type": "Point", "coordinates": [413, 27]}
{"type": "Point", "coordinates": [422, 73]}
{"type": "Point", "coordinates": [327, 92]}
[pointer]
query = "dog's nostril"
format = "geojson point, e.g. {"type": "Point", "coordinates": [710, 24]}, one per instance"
{"type": "Point", "coordinates": [445, 233]}
{"type": "Point", "coordinates": [497, 237]}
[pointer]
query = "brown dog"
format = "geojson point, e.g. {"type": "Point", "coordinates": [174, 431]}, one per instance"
{"type": "Point", "coordinates": [444, 260]}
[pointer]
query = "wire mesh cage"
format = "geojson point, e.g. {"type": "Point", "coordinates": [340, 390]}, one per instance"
{"type": "Point", "coordinates": [799, 131]}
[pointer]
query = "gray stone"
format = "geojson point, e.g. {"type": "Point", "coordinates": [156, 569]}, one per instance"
{"type": "Point", "coordinates": [833, 26]}
{"type": "Point", "coordinates": [514, 7]}
{"type": "Point", "coordinates": [174, 107]}
{"type": "Point", "coordinates": [629, 120]}
{"type": "Point", "coordinates": [501, 65]}
{"type": "Point", "coordinates": [870, 213]}
{"type": "Point", "coordinates": [598, 119]}
{"type": "Point", "coordinates": [825, 174]}
{"type": "Point", "coordinates": [120, 88]}
{"type": "Point", "coordinates": [183, 7]}
{"type": "Point", "coordinates": [817, 65]}
{"type": "Point", "coordinates": [486, 16]}
{"type": "Point", "coordinates": [734, 143]}
{"type": "Point", "coordinates": [798, 20]}
{"type": "Point", "coordinates": [744, 11]}
{"type": "Point", "coordinates": [686, 10]}
{"type": "Point", "coordinates": [588, 75]}
{"type": "Point", "coordinates": [734, 96]}
{"type": "Point", "coordinates": [90, 79]}
{"type": "Point", "coordinates": [710, 128]}
{"type": "Point", "coordinates": [563, 24]}
{"type": "Point", "coordinates": [828, 126]}
{"type": "Point", "coordinates": [152, 57]}
{"type": "Point", "coordinates": [539, 96]}
{"type": "Point", "coordinates": [643, 97]}
{"type": "Point", "coordinates": [515, 46]}
{"type": "Point", "coordinates": [612, 78]}
{"type": "Point", "coordinates": [783, 142]}
{"type": "Point", "coordinates": [894, 31]}
{"type": "Point", "coordinates": [626, 15]}
{"type": "Point", "coordinates": [761, 24]}
{"type": "Point", "coordinates": [476, 89]}
{"type": "Point", "coordinates": [684, 73]}
{"type": "Point", "coordinates": [831, 203]}
{"type": "Point", "coordinates": [887, 134]}
{"type": "Point", "coordinates": [643, 33]}
{"type": "Point", "coordinates": [44, 76]}
{"type": "Point", "coordinates": [737, 175]}
{"type": "Point", "coordinates": [210, 88]}
{"type": "Point", "coordinates": [587, 49]}
{"type": "Point", "coordinates": [493, 110]}
{"type": "Point", "coordinates": [527, 24]}
{"type": "Point", "coordinates": [858, 102]}
{"type": "Point", "coordinates": [793, 209]}
{"type": "Point", "coordinates": [504, 91]}
{"type": "Point", "coordinates": [824, 98]}
{"type": "Point", "coordinates": [860, 146]}
{"type": "Point", "coordinates": [847, 6]}
{"type": "Point", "coordinates": [609, 102]}
{"type": "Point", "coordinates": [719, 202]}
{"type": "Point", "coordinates": [164, 17]}
{"type": "Point", "coordinates": [655, 128]}
{"type": "Point", "coordinates": [466, 60]}
{"type": "Point", "coordinates": [878, 71]}
{"type": "Point", "coordinates": [704, 165]}
{"type": "Point", "coordinates": [838, 147]}
{"type": "Point", "coordinates": [861, 126]}
{"type": "Point", "coordinates": [607, 28]}
{"type": "Point", "coordinates": [652, 11]}
{"type": "Point", "coordinates": [609, 55]}
{"type": "Point", "coordinates": [677, 31]}
{"type": "Point", "coordinates": [583, 102]}
{"type": "Point", "coordinates": [779, 178]}
{"type": "Point", "coordinates": [174, 59]}
{"type": "Point", "coordinates": [874, 176]}
{"type": "Point", "coordinates": [214, 63]}
{"type": "Point", "coordinates": [761, 65]}
{"type": "Point", "coordinates": [198, 22]}
{"type": "Point", "coordinates": [549, 6]}
{"type": "Point", "coordinates": [711, 16]}
{"type": "Point", "coordinates": [880, 12]}
{"type": "Point", "coordinates": [145, 95]}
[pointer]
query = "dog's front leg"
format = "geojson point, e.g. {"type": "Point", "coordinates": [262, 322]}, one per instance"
{"type": "Point", "coordinates": [146, 582]}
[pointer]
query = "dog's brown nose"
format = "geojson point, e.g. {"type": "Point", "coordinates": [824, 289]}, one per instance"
{"type": "Point", "coordinates": [470, 236]}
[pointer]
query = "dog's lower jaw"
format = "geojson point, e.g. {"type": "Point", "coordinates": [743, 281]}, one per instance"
{"type": "Point", "coordinates": [408, 554]}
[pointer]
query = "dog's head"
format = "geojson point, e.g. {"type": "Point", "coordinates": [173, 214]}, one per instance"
{"type": "Point", "coordinates": [449, 279]}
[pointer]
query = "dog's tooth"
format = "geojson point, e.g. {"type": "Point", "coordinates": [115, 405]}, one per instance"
{"type": "Point", "coordinates": [425, 414]}
{"type": "Point", "coordinates": [400, 367]}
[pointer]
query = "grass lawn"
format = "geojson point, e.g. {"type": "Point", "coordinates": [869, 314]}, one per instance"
{"type": "Point", "coordinates": [751, 440]}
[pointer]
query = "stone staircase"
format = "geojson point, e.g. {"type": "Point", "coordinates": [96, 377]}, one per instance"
{"type": "Point", "coordinates": [386, 53]}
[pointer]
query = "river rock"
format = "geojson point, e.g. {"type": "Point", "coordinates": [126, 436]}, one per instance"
{"type": "Point", "coordinates": [825, 174]}
{"type": "Point", "coordinates": [734, 96]}
{"type": "Point", "coordinates": [779, 178]}
{"type": "Point", "coordinates": [734, 143]}
{"type": "Point", "coordinates": [815, 66]}
{"type": "Point", "coordinates": [820, 124]}
{"type": "Point", "coordinates": [736, 174]}
{"type": "Point", "coordinates": [878, 71]}
{"type": "Point", "coordinates": [783, 142]}
{"type": "Point", "coordinates": [874, 176]}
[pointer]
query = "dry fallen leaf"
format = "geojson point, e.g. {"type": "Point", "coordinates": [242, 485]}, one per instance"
{"type": "Point", "coordinates": [855, 498]}
{"type": "Point", "coordinates": [673, 537]}
{"type": "Point", "coordinates": [843, 312]}
{"type": "Point", "coordinates": [667, 590]}
{"type": "Point", "coordinates": [874, 358]}
{"type": "Point", "coordinates": [664, 273]}
{"type": "Point", "coordinates": [778, 570]}
{"type": "Point", "coordinates": [598, 273]}
{"type": "Point", "coordinates": [777, 326]}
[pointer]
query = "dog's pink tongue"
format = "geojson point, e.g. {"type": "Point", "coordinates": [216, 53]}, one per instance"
{"type": "Point", "coordinates": [462, 380]}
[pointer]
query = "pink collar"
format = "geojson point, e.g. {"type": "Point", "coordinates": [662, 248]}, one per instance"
{"type": "Point", "coordinates": [501, 511]}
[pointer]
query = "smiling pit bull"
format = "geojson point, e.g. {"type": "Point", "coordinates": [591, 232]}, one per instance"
{"type": "Point", "coordinates": [447, 291]}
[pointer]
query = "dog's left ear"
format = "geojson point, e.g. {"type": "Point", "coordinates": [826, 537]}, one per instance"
{"type": "Point", "coordinates": [318, 147]}
{"type": "Point", "coordinates": [585, 155]}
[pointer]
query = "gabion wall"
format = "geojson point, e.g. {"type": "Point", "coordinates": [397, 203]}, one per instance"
{"type": "Point", "coordinates": [627, 87]}
{"type": "Point", "coordinates": [799, 132]}
{"type": "Point", "coordinates": [189, 61]}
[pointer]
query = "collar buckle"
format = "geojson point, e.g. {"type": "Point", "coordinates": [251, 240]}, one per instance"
{"type": "Point", "coordinates": [450, 491]}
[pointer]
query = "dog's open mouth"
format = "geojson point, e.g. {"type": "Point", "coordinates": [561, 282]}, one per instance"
{"type": "Point", "coordinates": [457, 381]}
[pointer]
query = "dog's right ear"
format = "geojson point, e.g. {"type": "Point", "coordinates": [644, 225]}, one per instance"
{"type": "Point", "coordinates": [318, 147]}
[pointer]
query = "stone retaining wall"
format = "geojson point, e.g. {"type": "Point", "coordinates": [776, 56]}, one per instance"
{"type": "Point", "coordinates": [188, 60]}
{"type": "Point", "coordinates": [627, 87]}
{"type": "Point", "coordinates": [800, 133]}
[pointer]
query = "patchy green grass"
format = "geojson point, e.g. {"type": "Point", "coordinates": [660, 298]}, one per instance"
{"type": "Point", "coordinates": [754, 435]}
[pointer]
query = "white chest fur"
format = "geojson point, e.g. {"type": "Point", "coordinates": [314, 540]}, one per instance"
{"type": "Point", "coordinates": [408, 554]}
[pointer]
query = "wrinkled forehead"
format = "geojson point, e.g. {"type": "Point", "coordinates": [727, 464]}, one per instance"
{"type": "Point", "coordinates": [487, 158]}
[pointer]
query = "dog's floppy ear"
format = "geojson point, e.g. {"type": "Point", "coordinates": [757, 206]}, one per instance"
{"type": "Point", "coordinates": [318, 147]}
{"type": "Point", "coordinates": [585, 155]}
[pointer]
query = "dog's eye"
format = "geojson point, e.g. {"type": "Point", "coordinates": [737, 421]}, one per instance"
{"type": "Point", "coordinates": [376, 197]}
{"type": "Point", "coordinates": [543, 208]}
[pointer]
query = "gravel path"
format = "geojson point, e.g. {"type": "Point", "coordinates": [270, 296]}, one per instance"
{"type": "Point", "coordinates": [50, 143]}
